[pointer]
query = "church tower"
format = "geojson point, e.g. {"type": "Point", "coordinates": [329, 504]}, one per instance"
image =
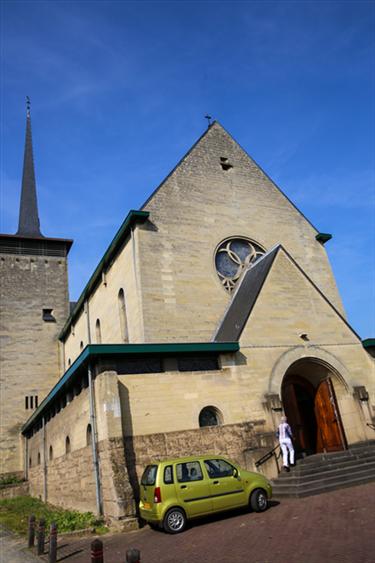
{"type": "Point", "coordinates": [34, 307]}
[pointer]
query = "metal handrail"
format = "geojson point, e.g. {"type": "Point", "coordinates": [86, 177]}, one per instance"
{"type": "Point", "coordinates": [267, 456]}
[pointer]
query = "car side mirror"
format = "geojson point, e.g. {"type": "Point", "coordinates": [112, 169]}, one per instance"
{"type": "Point", "coordinates": [235, 473]}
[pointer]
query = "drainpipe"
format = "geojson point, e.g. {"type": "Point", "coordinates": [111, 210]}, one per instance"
{"type": "Point", "coordinates": [26, 472]}
{"type": "Point", "coordinates": [94, 439]}
{"type": "Point", "coordinates": [44, 461]}
{"type": "Point", "coordinates": [87, 310]}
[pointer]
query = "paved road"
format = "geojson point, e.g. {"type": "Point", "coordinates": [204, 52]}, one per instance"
{"type": "Point", "coordinates": [335, 527]}
{"type": "Point", "coordinates": [12, 549]}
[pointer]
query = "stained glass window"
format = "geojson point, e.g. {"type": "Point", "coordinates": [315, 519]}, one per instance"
{"type": "Point", "coordinates": [233, 256]}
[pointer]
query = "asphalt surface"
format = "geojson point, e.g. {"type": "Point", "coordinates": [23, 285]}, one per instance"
{"type": "Point", "coordinates": [336, 527]}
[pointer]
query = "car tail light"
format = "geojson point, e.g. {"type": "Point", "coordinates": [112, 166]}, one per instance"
{"type": "Point", "coordinates": [157, 495]}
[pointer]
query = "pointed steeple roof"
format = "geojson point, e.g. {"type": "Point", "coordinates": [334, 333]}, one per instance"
{"type": "Point", "coordinates": [28, 224]}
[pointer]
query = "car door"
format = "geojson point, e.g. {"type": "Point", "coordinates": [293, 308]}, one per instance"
{"type": "Point", "coordinates": [226, 486]}
{"type": "Point", "coordinates": [192, 489]}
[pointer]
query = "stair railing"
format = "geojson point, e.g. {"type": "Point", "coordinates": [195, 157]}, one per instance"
{"type": "Point", "coordinates": [269, 455]}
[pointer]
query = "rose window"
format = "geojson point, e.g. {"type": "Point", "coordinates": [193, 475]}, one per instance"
{"type": "Point", "coordinates": [233, 256]}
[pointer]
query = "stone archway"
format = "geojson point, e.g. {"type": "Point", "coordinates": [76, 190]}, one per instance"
{"type": "Point", "coordinates": [310, 403]}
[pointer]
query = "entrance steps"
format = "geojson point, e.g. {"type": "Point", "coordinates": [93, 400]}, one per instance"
{"type": "Point", "coordinates": [325, 472]}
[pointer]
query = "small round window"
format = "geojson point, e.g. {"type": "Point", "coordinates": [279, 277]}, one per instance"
{"type": "Point", "coordinates": [233, 256]}
{"type": "Point", "coordinates": [209, 416]}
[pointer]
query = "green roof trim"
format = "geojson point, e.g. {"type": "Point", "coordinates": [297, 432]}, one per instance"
{"type": "Point", "coordinates": [368, 342]}
{"type": "Point", "coordinates": [131, 219]}
{"type": "Point", "coordinates": [94, 351]}
{"type": "Point", "coordinates": [323, 237]}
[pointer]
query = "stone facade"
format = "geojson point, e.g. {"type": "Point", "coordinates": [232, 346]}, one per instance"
{"type": "Point", "coordinates": [17, 490]}
{"type": "Point", "coordinates": [30, 362]}
{"type": "Point", "coordinates": [161, 282]}
{"type": "Point", "coordinates": [166, 267]}
{"type": "Point", "coordinates": [67, 478]}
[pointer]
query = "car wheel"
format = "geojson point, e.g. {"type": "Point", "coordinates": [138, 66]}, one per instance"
{"type": "Point", "coordinates": [258, 500]}
{"type": "Point", "coordinates": [174, 521]}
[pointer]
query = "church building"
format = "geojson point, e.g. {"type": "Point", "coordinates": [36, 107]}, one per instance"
{"type": "Point", "coordinates": [213, 312]}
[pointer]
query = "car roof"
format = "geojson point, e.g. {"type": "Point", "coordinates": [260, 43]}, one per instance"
{"type": "Point", "coordinates": [187, 459]}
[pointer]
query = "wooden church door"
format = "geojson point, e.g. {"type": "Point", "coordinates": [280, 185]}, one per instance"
{"type": "Point", "coordinates": [330, 434]}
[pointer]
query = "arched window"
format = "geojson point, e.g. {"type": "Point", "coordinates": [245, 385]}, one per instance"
{"type": "Point", "coordinates": [210, 416]}
{"type": "Point", "coordinates": [30, 461]}
{"type": "Point", "coordinates": [81, 345]}
{"type": "Point", "coordinates": [50, 453]}
{"type": "Point", "coordinates": [67, 445]}
{"type": "Point", "coordinates": [122, 312]}
{"type": "Point", "coordinates": [38, 458]}
{"type": "Point", "coordinates": [98, 332]}
{"type": "Point", "coordinates": [88, 435]}
{"type": "Point", "coordinates": [69, 362]}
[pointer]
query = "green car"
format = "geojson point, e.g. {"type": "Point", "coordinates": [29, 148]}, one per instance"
{"type": "Point", "coordinates": [176, 490]}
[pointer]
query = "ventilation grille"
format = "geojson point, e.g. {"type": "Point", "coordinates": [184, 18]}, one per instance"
{"type": "Point", "coordinates": [36, 248]}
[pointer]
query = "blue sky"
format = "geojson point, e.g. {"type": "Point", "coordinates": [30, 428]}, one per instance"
{"type": "Point", "coordinates": [119, 91]}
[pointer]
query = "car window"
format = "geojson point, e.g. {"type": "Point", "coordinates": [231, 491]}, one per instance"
{"type": "Point", "coordinates": [168, 475]}
{"type": "Point", "coordinates": [218, 468]}
{"type": "Point", "coordinates": [149, 475]}
{"type": "Point", "coordinates": [189, 471]}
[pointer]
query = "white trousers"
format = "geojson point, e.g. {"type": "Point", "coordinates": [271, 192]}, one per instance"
{"type": "Point", "coordinates": [287, 447]}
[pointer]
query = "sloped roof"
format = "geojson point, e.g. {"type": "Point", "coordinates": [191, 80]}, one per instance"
{"type": "Point", "coordinates": [117, 351]}
{"type": "Point", "coordinates": [244, 298]}
{"type": "Point", "coordinates": [246, 295]}
{"type": "Point", "coordinates": [29, 218]}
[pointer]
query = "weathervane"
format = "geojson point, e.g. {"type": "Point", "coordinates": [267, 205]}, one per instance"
{"type": "Point", "coordinates": [208, 117]}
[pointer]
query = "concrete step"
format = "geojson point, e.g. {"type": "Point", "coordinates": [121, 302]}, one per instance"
{"type": "Point", "coordinates": [332, 456]}
{"type": "Point", "coordinates": [328, 471]}
{"type": "Point", "coordinates": [360, 445]}
{"type": "Point", "coordinates": [295, 477]}
{"type": "Point", "coordinates": [292, 480]}
{"type": "Point", "coordinates": [301, 471]}
{"type": "Point", "coordinates": [318, 487]}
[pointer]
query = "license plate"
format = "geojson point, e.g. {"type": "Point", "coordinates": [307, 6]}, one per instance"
{"type": "Point", "coordinates": [146, 505]}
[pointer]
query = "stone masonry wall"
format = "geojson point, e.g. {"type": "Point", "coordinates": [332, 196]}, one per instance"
{"type": "Point", "coordinates": [70, 481]}
{"type": "Point", "coordinates": [104, 306]}
{"type": "Point", "coordinates": [16, 490]}
{"type": "Point", "coordinates": [29, 346]}
{"type": "Point", "coordinates": [232, 441]}
{"type": "Point", "coordinates": [195, 209]}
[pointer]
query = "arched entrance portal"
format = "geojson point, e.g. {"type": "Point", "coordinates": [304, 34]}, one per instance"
{"type": "Point", "coordinates": [310, 404]}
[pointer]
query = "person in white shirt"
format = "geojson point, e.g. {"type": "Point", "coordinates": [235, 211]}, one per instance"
{"type": "Point", "coordinates": [284, 434]}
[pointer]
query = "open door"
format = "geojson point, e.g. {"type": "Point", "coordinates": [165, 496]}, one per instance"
{"type": "Point", "coordinates": [330, 433]}
{"type": "Point", "coordinates": [298, 400]}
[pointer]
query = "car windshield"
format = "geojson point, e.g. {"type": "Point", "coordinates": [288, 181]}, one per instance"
{"type": "Point", "coordinates": [149, 475]}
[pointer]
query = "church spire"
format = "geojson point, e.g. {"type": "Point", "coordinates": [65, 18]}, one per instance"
{"type": "Point", "coordinates": [28, 224]}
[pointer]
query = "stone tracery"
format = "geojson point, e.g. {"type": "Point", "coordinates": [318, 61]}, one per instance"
{"type": "Point", "coordinates": [233, 256]}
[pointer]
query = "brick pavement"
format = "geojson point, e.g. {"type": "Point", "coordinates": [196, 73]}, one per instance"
{"type": "Point", "coordinates": [335, 527]}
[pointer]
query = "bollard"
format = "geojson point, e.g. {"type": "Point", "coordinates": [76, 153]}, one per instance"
{"type": "Point", "coordinates": [52, 553]}
{"type": "Point", "coordinates": [133, 556]}
{"type": "Point", "coordinates": [97, 551]}
{"type": "Point", "coordinates": [41, 535]}
{"type": "Point", "coordinates": [31, 533]}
